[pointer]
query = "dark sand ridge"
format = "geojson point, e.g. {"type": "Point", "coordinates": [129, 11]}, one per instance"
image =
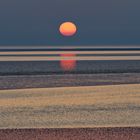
{"type": "Point", "coordinates": [71, 134]}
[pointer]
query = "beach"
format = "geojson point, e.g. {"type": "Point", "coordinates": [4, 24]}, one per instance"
{"type": "Point", "coordinates": [94, 92]}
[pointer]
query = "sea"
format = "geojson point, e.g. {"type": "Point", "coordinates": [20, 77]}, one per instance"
{"type": "Point", "coordinates": [34, 60]}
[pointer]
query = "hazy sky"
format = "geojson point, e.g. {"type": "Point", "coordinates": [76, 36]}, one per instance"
{"type": "Point", "coordinates": [100, 22]}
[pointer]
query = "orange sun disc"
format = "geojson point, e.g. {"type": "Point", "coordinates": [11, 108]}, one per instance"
{"type": "Point", "coordinates": [68, 29]}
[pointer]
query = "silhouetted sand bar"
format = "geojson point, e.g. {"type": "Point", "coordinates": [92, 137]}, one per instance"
{"type": "Point", "coordinates": [69, 48]}
{"type": "Point", "coordinates": [71, 107]}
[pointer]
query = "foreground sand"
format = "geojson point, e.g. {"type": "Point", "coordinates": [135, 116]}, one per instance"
{"type": "Point", "coordinates": [96, 106]}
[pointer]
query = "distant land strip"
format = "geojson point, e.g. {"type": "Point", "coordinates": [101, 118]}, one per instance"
{"type": "Point", "coordinates": [67, 52]}
{"type": "Point", "coordinates": [70, 49]}
{"type": "Point", "coordinates": [53, 55]}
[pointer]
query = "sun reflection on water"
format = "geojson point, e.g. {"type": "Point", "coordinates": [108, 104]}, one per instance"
{"type": "Point", "coordinates": [69, 64]}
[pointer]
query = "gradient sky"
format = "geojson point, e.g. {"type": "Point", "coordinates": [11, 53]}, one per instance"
{"type": "Point", "coordinates": [100, 22]}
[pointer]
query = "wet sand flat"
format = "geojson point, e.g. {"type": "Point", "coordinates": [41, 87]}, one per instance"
{"type": "Point", "coordinates": [71, 107]}
{"type": "Point", "coordinates": [66, 80]}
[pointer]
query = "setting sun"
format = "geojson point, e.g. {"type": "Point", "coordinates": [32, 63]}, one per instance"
{"type": "Point", "coordinates": [68, 29]}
